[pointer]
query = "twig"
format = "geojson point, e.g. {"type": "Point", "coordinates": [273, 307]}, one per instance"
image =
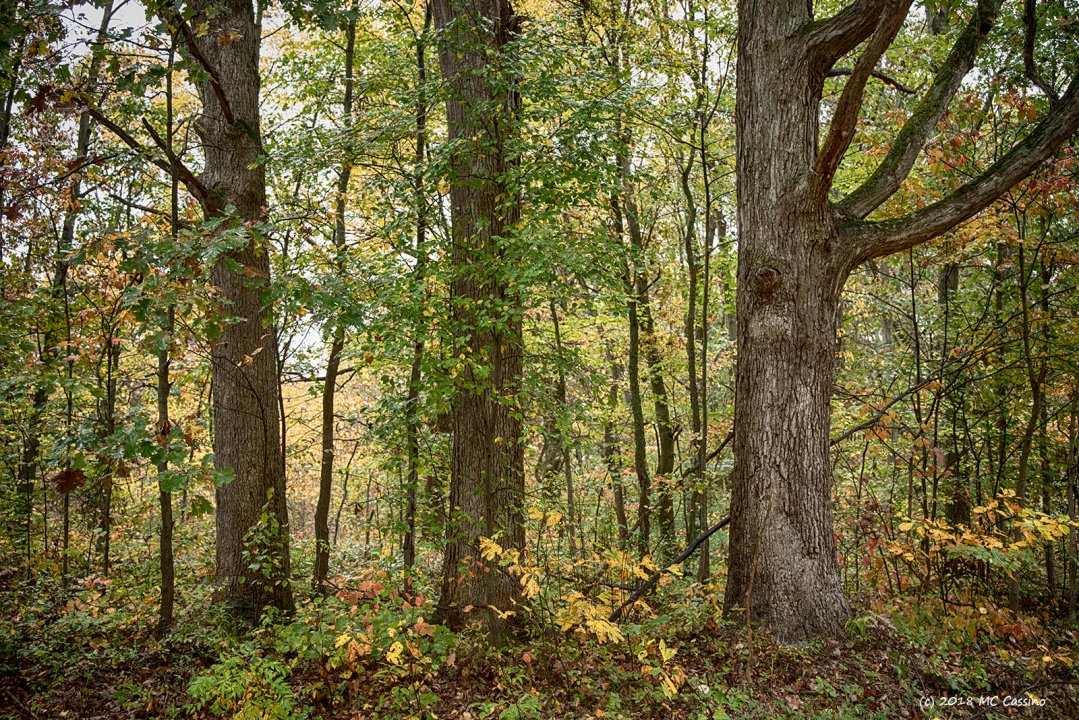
{"type": "Point", "coordinates": [215, 80]}
{"type": "Point", "coordinates": [654, 577]}
{"type": "Point", "coordinates": [886, 79]}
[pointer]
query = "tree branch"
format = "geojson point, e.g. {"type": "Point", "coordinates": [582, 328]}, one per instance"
{"type": "Point", "coordinates": [886, 79]}
{"type": "Point", "coordinates": [710, 457]}
{"type": "Point", "coordinates": [183, 173]}
{"type": "Point", "coordinates": [845, 119]}
{"type": "Point", "coordinates": [871, 422]}
{"type": "Point", "coordinates": [655, 576]}
{"type": "Point", "coordinates": [215, 80]}
{"type": "Point", "coordinates": [832, 38]}
{"type": "Point", "coordinates": [125, 137]}
{"type": "Point", "coordinates": [874, 239]}
{"type": "Point", "coordinates": [895, 167]}
{"type": "Point", "coordinates": [1030, 27]}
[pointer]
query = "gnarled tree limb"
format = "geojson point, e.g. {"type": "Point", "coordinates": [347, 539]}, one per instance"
{"type": "Point", "coordinates": [832, 38]}
{"type": "Point", "coordinates": [845, 119]}
{"type": "Point", "coordinates": [874, 239]}
{"type": "Point", "coordinates": [895, 167]}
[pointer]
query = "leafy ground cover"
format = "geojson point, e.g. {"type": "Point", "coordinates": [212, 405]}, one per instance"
{"type": "Point", "coordinates": [370, 651]}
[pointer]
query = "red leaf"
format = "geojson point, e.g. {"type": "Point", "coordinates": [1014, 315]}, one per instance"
{"type": "Point", "coordinates": [68, 480]}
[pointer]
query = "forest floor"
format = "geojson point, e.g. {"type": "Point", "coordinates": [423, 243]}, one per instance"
{"type": "Point", "coordinates": [90, 653]}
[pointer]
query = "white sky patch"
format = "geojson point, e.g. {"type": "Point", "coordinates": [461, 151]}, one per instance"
{"type": "Point", "coordinates": [83, 20]}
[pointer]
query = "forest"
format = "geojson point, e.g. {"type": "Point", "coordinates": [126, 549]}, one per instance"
{"type": "Point", "coordinates": [539, 359]}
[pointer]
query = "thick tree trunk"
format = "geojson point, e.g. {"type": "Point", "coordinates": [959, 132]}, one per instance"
{"type": "Point", "coordinates": [795, 251]}
{"type": "Point", "coordinates": [246, 416]}
{"type": "Point", "coordinates": [782, 558]}
{"type": "Point", "coordinates": [487, 466]}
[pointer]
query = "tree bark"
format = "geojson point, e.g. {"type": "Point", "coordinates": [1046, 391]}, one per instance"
{"type": "Point", "coordinates": [487, 466]}
{"type": "Point", "coordinates": [1071, 554]}
{"type": "Point", "coordinates": [782, 562]}
{"type": "Point", "coordinates": [645, 335]}
{"type": "Point", "coordinates": [1036, 374]}
{"type": "Point", "coordinates": [166, 555]}
{"type": "Point", "coordinates": [636, 407]}
{"type": "Point", "coordinates": [612, 456]}
{"type": "Point", "coordinates": [795, 250]}
{"type": "Point", "coordinates": [165, 546]}
{"type": "Point", "coordinates": [562, 435]}
{"type": "Point", "coordinates": [245, 378]}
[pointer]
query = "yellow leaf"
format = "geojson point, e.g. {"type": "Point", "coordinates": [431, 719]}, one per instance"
{"type": "Point", "coordinates": [489, 549]}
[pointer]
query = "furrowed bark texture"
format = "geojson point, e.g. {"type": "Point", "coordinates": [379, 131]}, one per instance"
{"type": "Point", "coordinates": [487, 466]}
{"type": "Point", "coordinates": [795, 250]}
{"type": "Point", "coordinates": [246, 415]}
{"type": "Point", "coordinates": [788, 292]}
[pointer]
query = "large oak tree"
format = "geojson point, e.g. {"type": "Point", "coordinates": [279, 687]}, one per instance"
{"type": "Point", "coordinates": [796, 247]}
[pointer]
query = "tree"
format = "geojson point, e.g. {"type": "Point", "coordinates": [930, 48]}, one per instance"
{"type": "Point", "coordinates": [246, 416]}
{"type": "Point", "coordinates": [337, 341]}
{"type": "Point", "coordinates": [487, 467]}
{"type": "Point", "coordinates": [796, 247]}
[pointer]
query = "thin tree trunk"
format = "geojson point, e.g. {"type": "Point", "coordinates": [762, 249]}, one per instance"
{"type": "Point", "coordinates": [165, 545]}
{"type": "Point", "coordinates": [1036, 381]}
{"type": "Point", "coordinates": [633, 372]}
{"type": "Point", "coordinates": [325, 485]}
{"type": "Point", "coordinates": [415, 377]}
{"type": "Point", "coordinates": [337, 343]}
{"type": "Point", "coordinates": [713, 224]}
{"type": "Point", "coordinates": [695, 479]}
{"type": "Point", "coordinates": [58, 286]}
{"type": "Point", "coordinates": [563, 440]}
{"type": "Point", "coordinates": [647, 340]}
{"type": "Point", "coordinates": [1046, 322]}
{"type": "Point", "coordinates": [165, 541]}
{"type": "Point", "coordinates": [1071, 569]}
{"type": "Point", "coordinates": [612, 455]}
{"type": "Point", "coordinates": [107, 419]}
